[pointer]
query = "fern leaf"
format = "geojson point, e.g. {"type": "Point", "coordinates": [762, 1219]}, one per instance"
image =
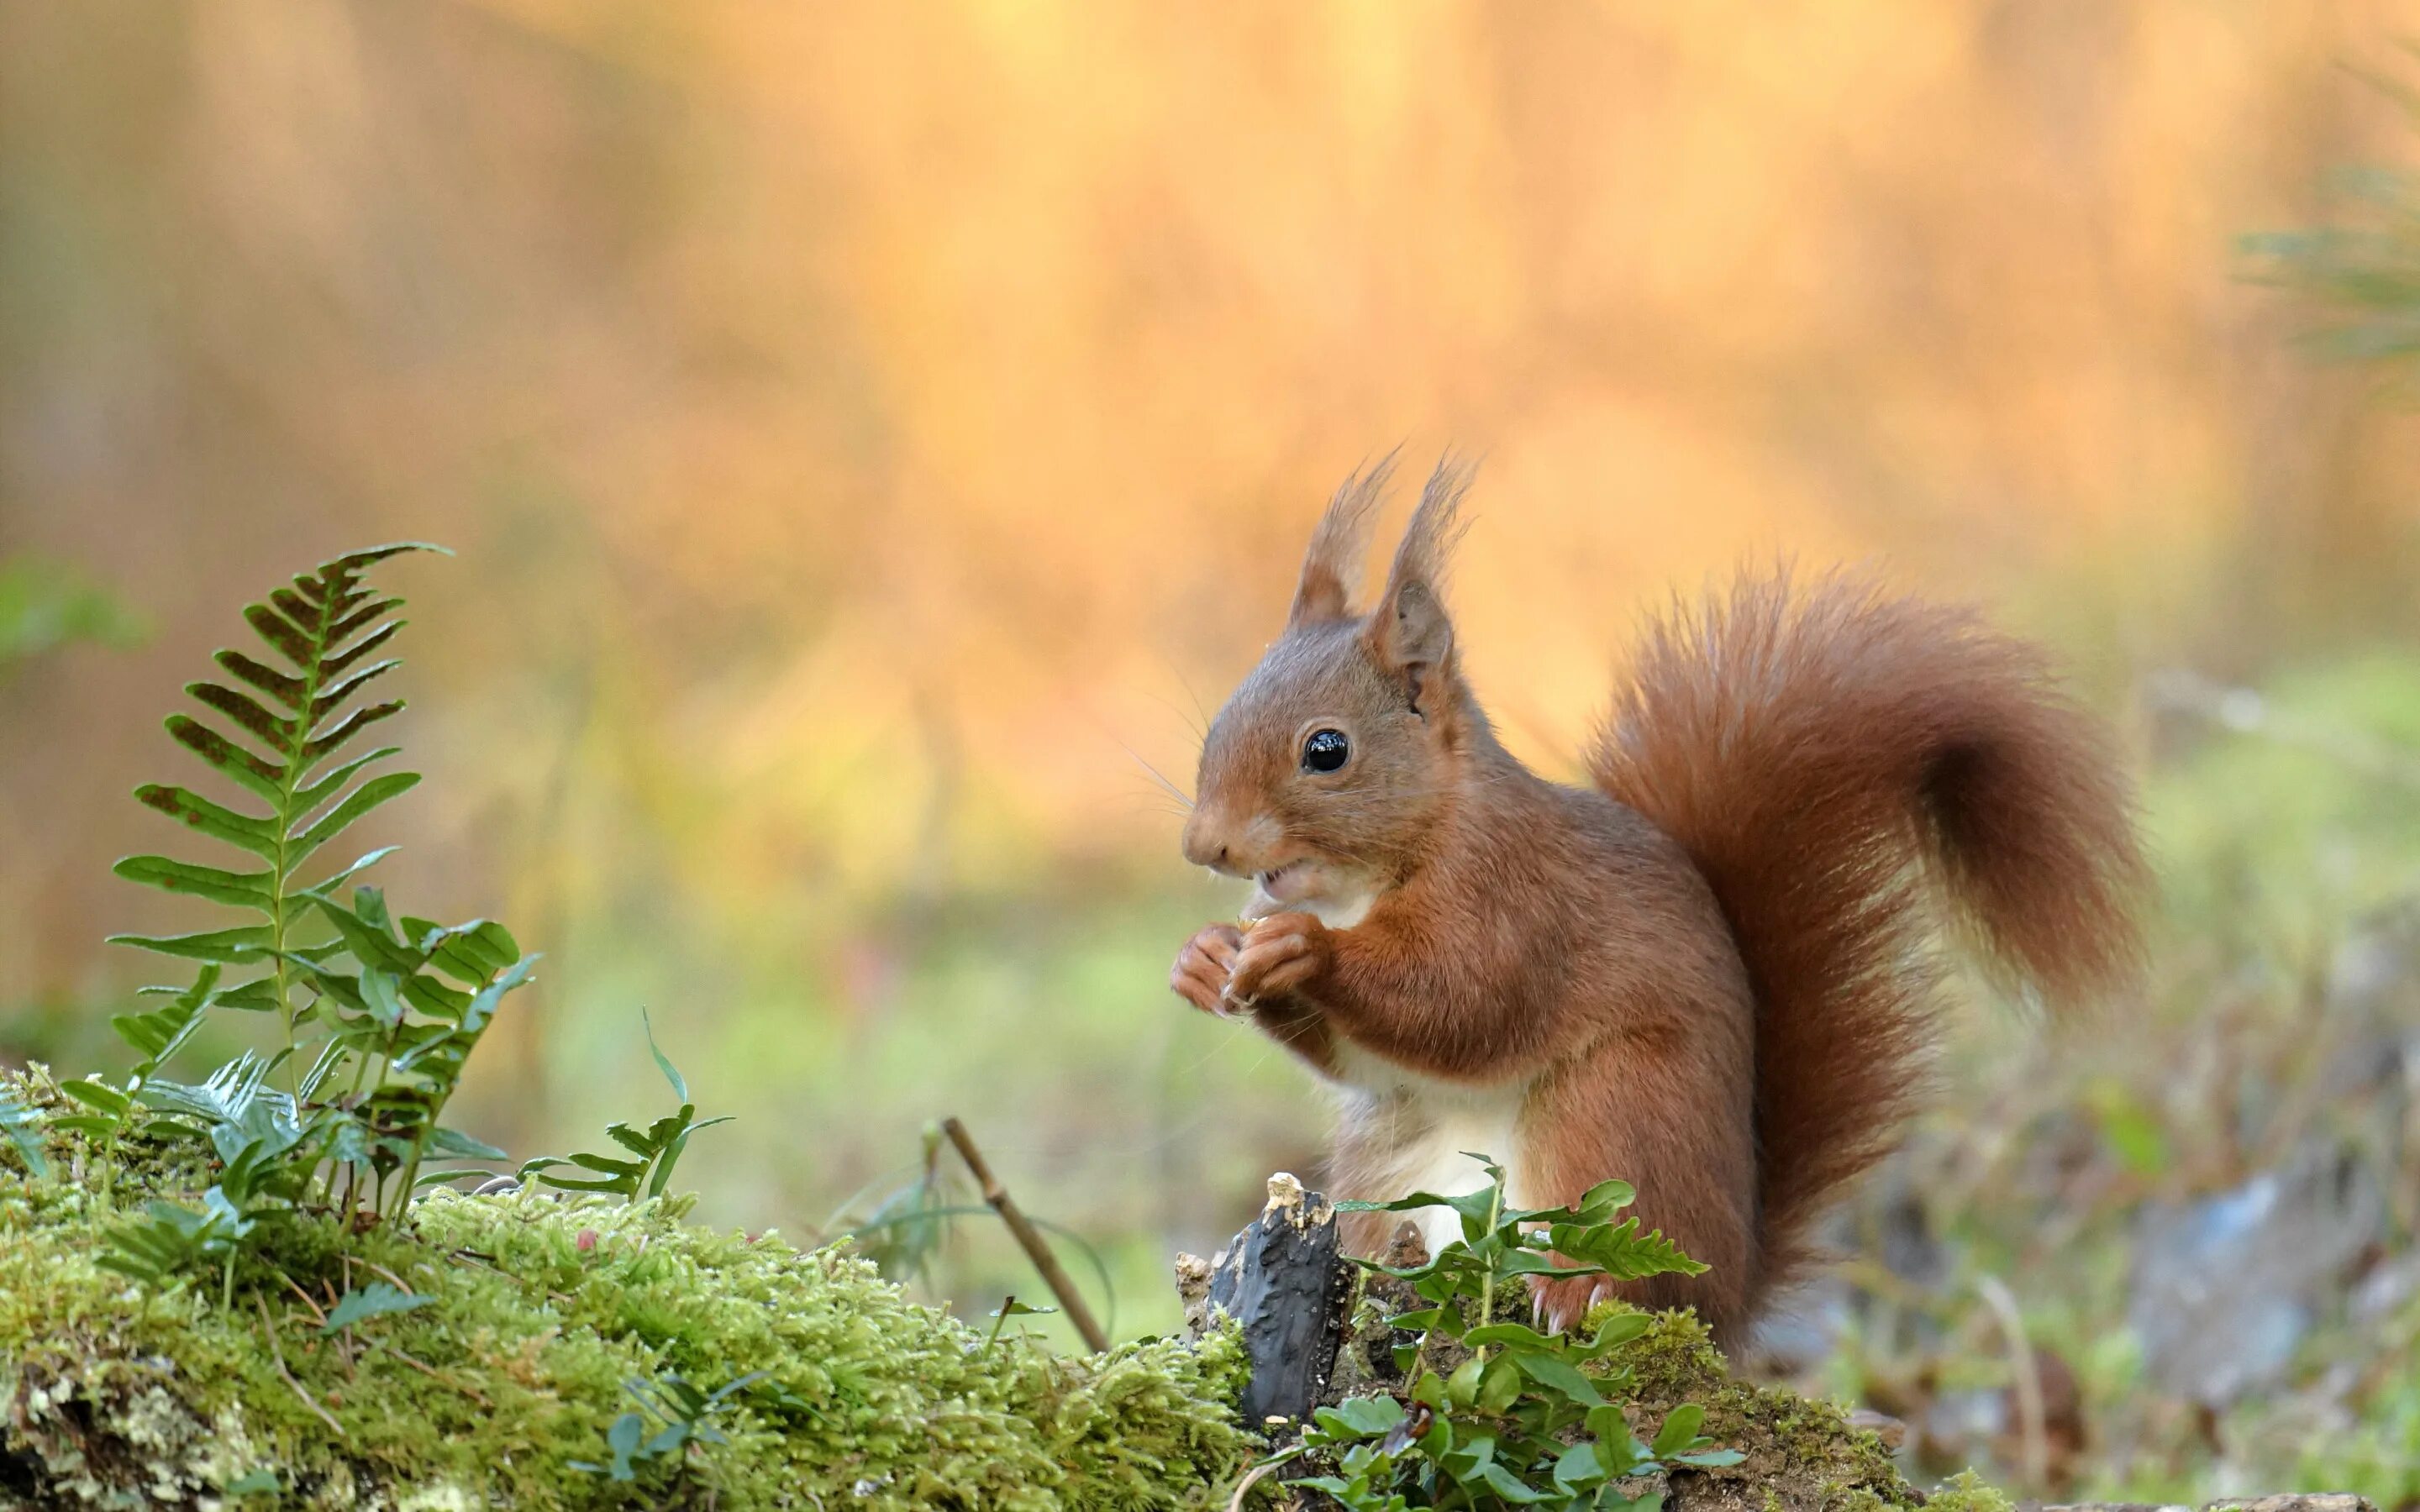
{"type": "Point", "coordinates": [288, 641]}
{"type": "Point", "coordinates": [262, 777]}
{"type": "Point", "coordinates": [252, 998]}
{"type": "Point", "coordinates": [344, 730]}
{"type": "Point", "coordinates": [338, 692]}
{"type": "Point", "coordinates": [247, 713]}
{"type": "Point", "coordinates": [321, 627]}
{"type": "Point", "coordinates": [377, 791]}
{"type": "Point", "coordinates": [249, 890]}
{"type": "Point", "coordinates": [361, 864]}
{"type": "Point", "coordinates": [336, 665]}
{"type": "Point", "coordinates": [258, 836]}
{"type": "Point", "coordinates": [472, 952]}
{"type": "Point", "coordinates": [228, 946]}
{"type": "Point", "coordinates": [308, 800]}
{"type": "Point", "coordinates": [24, 1128]}
{"type": "Point", "coordinates": [285, 689]}
{"type": "Point", "coordinates": [156, 1035]}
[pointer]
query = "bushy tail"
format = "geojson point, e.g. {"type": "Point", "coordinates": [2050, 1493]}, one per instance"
{"type": "Point", "coordinates": [1835, 759]}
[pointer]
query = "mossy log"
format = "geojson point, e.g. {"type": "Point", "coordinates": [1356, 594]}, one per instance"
{"type": "Point", "coordinates": [501, 1388]}
{"type": "Point", "coordinates": [1313, 1326]}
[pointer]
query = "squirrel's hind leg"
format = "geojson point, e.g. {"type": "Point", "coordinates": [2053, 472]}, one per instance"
{"type": "Point", "coordinates": [1675, 1126]}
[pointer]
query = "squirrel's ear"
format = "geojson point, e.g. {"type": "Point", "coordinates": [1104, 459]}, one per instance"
{"type": "Point", "coordinates": [1410, 630]}
{"type": "Point", "coordinates": [1333, 564]}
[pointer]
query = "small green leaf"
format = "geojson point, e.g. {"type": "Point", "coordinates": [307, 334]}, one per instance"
{"type": "Point", "coordinates": [351, 624]}
{"type": "Point", "coordinates": [229, 946]}
{"type": "Point", "coordinates": [1620, 1250]}
{"type": "Point", "coordinates": [1533, 1262]}
{"type": "Point", "coordinates": [285, 689]}
{"type": "Point", "coordinates": [157, 1035]}
{"type": "Point", "coordinates": [452, 1144]}
{"type": "Point", "coordinates": [99, 1095]}
{"type": "Point", "coordinates": [1559, 1375]}
{"type": "Point", "coordinates": [338, 692]}
{"type": "Point", "coordinates": [310, 799]}
{"type": "Point", "coordinates": [377, 1299]}
{"type": "Point", "coordinates": [253, 998]}
{"type": "Point", "coordinates": [370, 944]}
{"type": "Point", "coordinates": [263, 778]}
{"type": "Point", "coordinates": [334, 666]}
{"type": "Point", "coordinates": [247, 713]}
{"type": "Point", "coordinates": [1577, 1468]}
{"type": "Point", "coordinates": [283, 637]}
{"type": "Point", "coordinates": [243, 831]}
{"type": "Point", "coordinates": [24, 1128]}
{"type": "Point", "coordinates": [1508, 1486]}
{"type": "Point", "coordinates": [1360, 1417]}
{"type": "Point", "coordinates": [1014, 1308]}
{"type": "Point", "coordinates": [371, 794]}
{"type": "Point", "coordinates": [247, 889]}
{"type": "Point", "coordinates": [380, 997]}
{"type": "Point", "coordinates": [1514, 1336]}
{"type": "Point", "coordinates": [1461, 1387]}
{"type": "Point", "coordinates": [1618, 1329]}
{"type": "Point", "coordinates": [672, 1073]}
{"type": "Point", "coordinates": [1498, 1386]}
{"type": "Point", "coordinates": [260, 1481]}
{"type": "Point", "coordinates": [1603, 1200]}
{"type": "Point", "coordinates": [343, 731]}
{"type": "Point", "coordinates": [1679, 1429]}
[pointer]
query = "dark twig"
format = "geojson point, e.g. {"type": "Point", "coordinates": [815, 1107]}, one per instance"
{"type": "Point", "coordinates": [1037, 1249]}
{"type": "Point", "coordinates": [308, 1301]}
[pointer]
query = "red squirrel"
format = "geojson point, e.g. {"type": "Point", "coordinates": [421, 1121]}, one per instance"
{"type": "Point", "coordinates": [1711, 972]}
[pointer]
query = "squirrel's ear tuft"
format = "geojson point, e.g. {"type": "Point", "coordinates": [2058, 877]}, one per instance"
{"type": "Point", "coordinates": [1332, 566]}
{"type": "Point", "coordinates": [1410, 630]}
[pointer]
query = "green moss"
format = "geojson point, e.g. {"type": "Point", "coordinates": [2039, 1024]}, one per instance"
{"type": "Point", "coordinates": [118, 1395]}
{"type": "Point", "coordinates": [1802, 1455]}
{"type": "Point", "coordinates": [1966, 1492]}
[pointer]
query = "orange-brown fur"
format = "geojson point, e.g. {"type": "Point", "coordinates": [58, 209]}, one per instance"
{"type": "Point", "coordinates": [1708, 974]}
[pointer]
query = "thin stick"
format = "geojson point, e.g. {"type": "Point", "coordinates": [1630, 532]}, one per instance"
{"type": "Point", "coordinates": [1243, 1486]}
{"type": "Point", "coordinates": [279, 1355]}
{"type": "Point", "coordinates": [1037, 1249]}
{"type": "Point", "coordinates": [308, 1301]}
{"type": "Point", "coordinates": [2030, 1416]}
{"type": "Point", "coordinates": [433, 1373]}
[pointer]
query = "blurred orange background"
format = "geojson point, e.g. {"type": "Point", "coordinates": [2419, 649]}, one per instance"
{"type": "Point", "coordinates": [875, 436]}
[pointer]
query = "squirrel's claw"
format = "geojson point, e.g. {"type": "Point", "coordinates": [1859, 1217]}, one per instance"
{"type": "Point", "coordinates": [1559, 1304]}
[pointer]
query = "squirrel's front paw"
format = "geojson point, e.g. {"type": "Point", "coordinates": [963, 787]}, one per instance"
{"type": "Point", "coordinates": [1280, 953]}
{"type": "Point", "coordinates": [1199, 975]}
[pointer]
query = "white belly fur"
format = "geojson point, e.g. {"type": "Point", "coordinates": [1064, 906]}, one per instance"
{"type": "Point", "coordinates": [1437, 1122]}
{"type": "Point", "coordinates": [1435, 1128]}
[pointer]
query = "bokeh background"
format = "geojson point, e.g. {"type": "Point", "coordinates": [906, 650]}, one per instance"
{"type": "Point", "coordinates": [873, 437]}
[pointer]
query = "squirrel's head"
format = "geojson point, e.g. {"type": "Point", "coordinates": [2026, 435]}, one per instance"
{"type": "Point", "coordinates": [1324, 773]}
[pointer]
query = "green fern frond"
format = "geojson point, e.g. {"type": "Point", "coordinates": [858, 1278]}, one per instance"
{"type": "Point", "coordinates": [324, 628]}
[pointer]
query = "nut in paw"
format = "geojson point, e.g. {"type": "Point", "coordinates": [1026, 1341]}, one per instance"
{"type": "Point", "coordinates": [1280, 954]}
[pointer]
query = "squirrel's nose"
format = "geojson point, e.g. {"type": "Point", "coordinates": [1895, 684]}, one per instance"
{"type": "Point", "coordinates": [1203, 845]}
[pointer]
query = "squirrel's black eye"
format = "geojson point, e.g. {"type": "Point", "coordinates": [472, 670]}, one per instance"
{"type": "Point", "coordinates": [1326, 750]}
